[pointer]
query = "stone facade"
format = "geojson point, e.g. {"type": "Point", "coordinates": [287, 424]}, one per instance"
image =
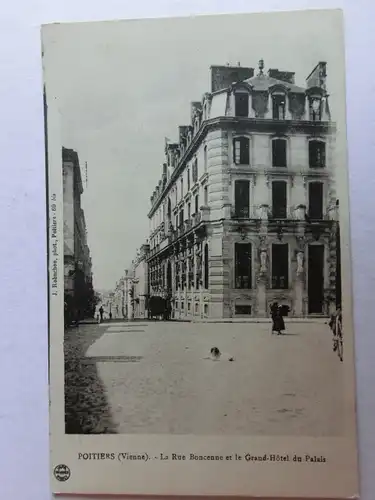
{"type": "Point", "coordinates": [77, 259]}
{"type": "Point", "coordinates": [246, 211]}
{"type": "Point", "coordinates": [139, 283]}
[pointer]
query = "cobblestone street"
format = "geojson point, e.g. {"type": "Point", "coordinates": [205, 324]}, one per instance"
{"type": "Point", "coordinates": [152, 377]}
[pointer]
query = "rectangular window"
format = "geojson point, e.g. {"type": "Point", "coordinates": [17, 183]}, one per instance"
{"type": "Point", "coordinates": [189, 210]}
{"type": "Point", "coordinates": [242, 199]}
{"type": "Point", "coordinates": [280, 266]}
{"type": "Point", "coordinates": [181, 217]}
{"type": "Point", "coordinates": [242, 310]}
{"type": "Point", "coordinates": [316, 200]}
{"type": "Point", "coordinates": [205, 196]}
{"type": "Point", "coordinates": [279, 153]}
{"type": "Point", "coordinates": [241, 104]}
{"type": "Point", "coordinates": [195, 171]}
{"type": "Point", "coordinates": [196, 204]}
{"type": "Point", "coordinates": [278, 107]}
{"type": "Point", "coordinates": [242, 265]}
{"type": "Point", "coordinates": [182, 188]}
{"type": "Point", "coordinates": [241, 151]}
{"type": "Point", "coordinates": [205, 158]}
{"type": "Point", "coordinates": [317, 154]}
{"type": "Point", "coordinates": [279, 200]}
{"type": "Point", "coordinates": [188, 180]}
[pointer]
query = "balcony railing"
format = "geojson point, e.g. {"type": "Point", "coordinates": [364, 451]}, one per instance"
{"type": "Point", "coordinates": [240, 213]}
{"type": "Point", "coordinates": [188, 224]}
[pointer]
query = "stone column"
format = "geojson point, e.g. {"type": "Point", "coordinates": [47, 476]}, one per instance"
{"type": "Point", "coordinates": [218, 202]}
{"type": "Point", "coordinates": [262, 279]}
{"type": "Point", "coordinates": [215, 275]}
{"type": "Point", "coordinates": [300, 278]}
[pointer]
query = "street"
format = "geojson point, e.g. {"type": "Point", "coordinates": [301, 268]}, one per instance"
{"type": "Point", "coordinates": [152, 377]}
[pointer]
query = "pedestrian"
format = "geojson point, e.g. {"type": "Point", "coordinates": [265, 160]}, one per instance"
{"type": "Point", "coordinates": [274, 308]}
{"type": "Point", "coordinates": [110, 315]}
{"type": "Point", "coordinates": [101, 312]}
{"type": "Point", "coordinates": [278, 324]}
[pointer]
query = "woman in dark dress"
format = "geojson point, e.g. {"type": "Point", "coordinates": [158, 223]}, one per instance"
{"type": "Point", "coordinates": [278, 324]}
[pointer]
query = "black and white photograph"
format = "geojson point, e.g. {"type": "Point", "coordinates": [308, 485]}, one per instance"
{"type": "Point", "coordinates": [198, 226]}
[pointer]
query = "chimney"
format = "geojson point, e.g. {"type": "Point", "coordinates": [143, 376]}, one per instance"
{"type": "Point", "coordinates": [196, 110]}
{"type": "Point", "coordinates": [284, 76]}
{"type": "Point", "coordinates": [317, 78]}
{"type": "Point", "coordinates": [182, 131]}
{"type": "Point", "coordinates": [223, 76]}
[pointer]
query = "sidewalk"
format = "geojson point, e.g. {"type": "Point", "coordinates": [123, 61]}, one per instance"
{"type": "Point", "coordinates": [319, 320]}
{"type": "Point", "coordinates": [259, 320]}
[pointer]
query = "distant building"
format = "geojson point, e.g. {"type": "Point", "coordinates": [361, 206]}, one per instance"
{"type": "Point", "coordinates": [77, 260]}
{"type": "Point", "coordinates": [140, 282]}
{"type": "Point", "coordinates": [245, 212]}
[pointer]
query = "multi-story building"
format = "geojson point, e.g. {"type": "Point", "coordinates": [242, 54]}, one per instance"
{"type": "Point", "coordinates": [121, 303]}
{"type": "Point", "coordinates": [139, 283]}
{"type": "Point", "coordinates": [77, 260]}
{"type": "Point", "coordinates": [245, 212]}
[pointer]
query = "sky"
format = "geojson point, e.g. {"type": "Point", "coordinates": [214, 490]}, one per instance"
{"type": "Point", "coordinates": [123, 86]}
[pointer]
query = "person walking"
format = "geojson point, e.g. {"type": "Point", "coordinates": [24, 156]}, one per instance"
{"type": "Point", "coordinates": [274, 308]}
{"type": "Point", "coordinates": [101, 312]}
{"type": "Point", "coordinates": [278, 324]}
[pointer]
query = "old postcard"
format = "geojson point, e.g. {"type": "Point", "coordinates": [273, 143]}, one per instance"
{"type": "Point", "coordinates": [201, 332]}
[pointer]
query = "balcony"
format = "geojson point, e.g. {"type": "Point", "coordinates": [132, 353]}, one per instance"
{"type": "Point", "coordinates": [240, 213]}
{"type": "Point", "coordinates": [189, 224]}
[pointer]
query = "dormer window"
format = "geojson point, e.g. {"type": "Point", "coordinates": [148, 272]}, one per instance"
{"type": "Point", "coordinates": [315, 109]}
{"type": "Point", "coordinates": [241, 100]}
{"type": "Point", "coordinates": [241, 151]}
{"type": "Point", "coordinates": [278, 106]}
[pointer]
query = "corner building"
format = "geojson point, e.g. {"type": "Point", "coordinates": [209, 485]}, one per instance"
{"type": "Point", "coordinates": [246, 212]}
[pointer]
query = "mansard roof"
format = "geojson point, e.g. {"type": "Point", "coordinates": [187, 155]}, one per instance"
{"type": "Point", "coordinates": [265, 82]}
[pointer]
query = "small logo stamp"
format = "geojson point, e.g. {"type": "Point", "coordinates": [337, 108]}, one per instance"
{"type": "Point", "coordinates": [61, 472]}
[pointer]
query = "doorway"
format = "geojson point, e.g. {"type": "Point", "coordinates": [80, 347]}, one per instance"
{"type": "Point", "coordinates": [316, 279]}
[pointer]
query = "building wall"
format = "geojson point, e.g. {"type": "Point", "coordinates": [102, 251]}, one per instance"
{"type": "Point", "coordinates": [217, 171]}
{"type": "Point", "coordinates": [76, 250]}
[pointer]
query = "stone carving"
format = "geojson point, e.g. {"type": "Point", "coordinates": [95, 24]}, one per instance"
{"type": "Point", "coordinates": [260, 104]}
{"type": "Point", "coordinates": [300, 259]}
{"type": "Point", "coordinates": [300, 212]}
{"type": "Point", "coordinates": [263, 210]}
{"type": "Point", "coordinates": [263, 260]}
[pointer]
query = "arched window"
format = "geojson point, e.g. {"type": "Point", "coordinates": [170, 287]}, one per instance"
{"type": "Point", "coordinates": [241, 151]}
{"type": "Point", "coordinates": [206, 266]}
{"type": "Point", "coordinates": [317, 154]}
{"type": "Point", "coordinates": [279, 155]}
